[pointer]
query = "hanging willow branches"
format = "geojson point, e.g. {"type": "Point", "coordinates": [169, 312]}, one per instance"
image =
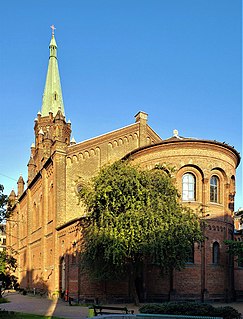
{"type": "Point", "coordinates": [135, 216]}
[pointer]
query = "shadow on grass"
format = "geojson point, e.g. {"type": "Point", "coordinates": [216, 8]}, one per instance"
{"type": "Point", "coordinates": [13, 315]}
{"type": "Point", "coordinates": [3, 300]}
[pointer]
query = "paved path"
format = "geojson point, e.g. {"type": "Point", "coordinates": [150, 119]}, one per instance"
{"type": "Point", "coordinates": [43, 306]}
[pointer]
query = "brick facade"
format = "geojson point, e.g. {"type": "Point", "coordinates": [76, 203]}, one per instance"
{"type": "Point", "coordinates": [47, 216]}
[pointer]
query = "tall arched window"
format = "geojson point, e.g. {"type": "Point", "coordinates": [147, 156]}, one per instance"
{"type": "Point", "coordinates": [188, 187]}
{"type": "Point", "coordinates": [214, 189]}
{"type": "Point", "coordinates": [23, 226]}
{"type": "Point", "coordinates": [37, 215]}
{"type": "Point", "coordinates": [40, 210]}
{"type": "Point", "coordinates": [50, 203]}
{"type": "Point", "coordinates": [215, 252]}
{"type": "Point", "coordinates": [34, 216]}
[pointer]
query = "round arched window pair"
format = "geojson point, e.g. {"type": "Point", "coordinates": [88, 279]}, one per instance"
{"type": "Point", "coordinates": [189, 188]}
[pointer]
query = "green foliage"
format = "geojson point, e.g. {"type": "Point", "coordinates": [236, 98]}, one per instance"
{"type": "Point", "coordinates": [7, 261]}
{"type": "Point", "coordinates": [15, 315]}
{"type": "Point", "coordinates": [135, 217]}
{"type": "Point", "coordinates": [227, 313]}
{"type": "Point", "coordinates": [178, 308]}
{"type": "Point", "coordinates": [3, 300]}
{"type": "Point", "coordinates": [7, 264]}
{"type": "Point", "coordinates": [7, 314]}
{"type": "Point", "coordinates": [235, 248]}
{"type": "Point", "coordinates": [3, 204]}
{"type": "Point", "coordinates": [190, 308]}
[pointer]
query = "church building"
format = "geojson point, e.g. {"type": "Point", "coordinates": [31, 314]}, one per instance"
{"type": "Point", "coordinates": [45, 228]}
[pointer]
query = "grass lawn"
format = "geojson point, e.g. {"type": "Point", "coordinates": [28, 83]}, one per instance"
{"type": "Point", "coordinates": [3, 300]}
{"type": "Point", "coordinates": [23, 316]}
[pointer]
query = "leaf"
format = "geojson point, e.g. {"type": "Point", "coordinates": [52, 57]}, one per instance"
{"type": "Point", "coordinates": [136, 217]}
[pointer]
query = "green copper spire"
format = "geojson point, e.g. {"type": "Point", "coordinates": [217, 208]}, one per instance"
{"type": "Point", "coordinates": [52, 98]}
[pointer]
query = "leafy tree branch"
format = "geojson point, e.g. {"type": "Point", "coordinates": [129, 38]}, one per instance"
{"type": "Point", "coordinates": [135, 218]}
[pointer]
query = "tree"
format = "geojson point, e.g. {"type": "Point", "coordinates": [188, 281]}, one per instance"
{"type": "Point", "coordinates": [7, 261]}
{"type": "Point", "coordinates": [235, 248]}
{"type": "Point", "coordinates": [135, 218]}
{"type": "Point", "coordinates": [3, 205]}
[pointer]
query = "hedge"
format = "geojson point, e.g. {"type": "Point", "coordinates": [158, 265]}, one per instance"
{"type": "Point", "coordinates": [191, 309]}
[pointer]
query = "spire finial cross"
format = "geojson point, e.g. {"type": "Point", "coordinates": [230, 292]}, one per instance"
{"type": "Point", "coordinates": [53, 28]}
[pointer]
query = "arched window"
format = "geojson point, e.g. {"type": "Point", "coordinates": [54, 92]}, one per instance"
{"type": "Point", "coordinates": [214, 189]}
{"type": "Point", "coordinates": [37, 215]}
{"type": "Point", "coordinates": [34, 216]}
{"type": "Point", "coordinates": [188, 187]}
{"type": "Point", "coordinates": [40, 211]}
{"type": "Point", "coordinates": [22, 226]}
{"type": "Point", "coordinates": [50, 204]}
{"type": "Point", "coordinates": [215, 252]}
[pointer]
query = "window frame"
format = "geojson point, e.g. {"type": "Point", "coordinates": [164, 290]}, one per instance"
{"type": "Point", "coordinates": [216, 253]}
{"type": "Point", "coordinates": [188, 189]}
{"type": "Point", "coordinates": [214, 189]}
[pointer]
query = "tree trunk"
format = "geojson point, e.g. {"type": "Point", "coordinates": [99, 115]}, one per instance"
{"type": "Point", "coordinates": [171, 294]}
{"type": "Point", "coordinates": [133, 285]}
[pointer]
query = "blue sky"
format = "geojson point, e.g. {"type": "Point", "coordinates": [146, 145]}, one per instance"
{"type": "Point", "coordinates": [177, 60]}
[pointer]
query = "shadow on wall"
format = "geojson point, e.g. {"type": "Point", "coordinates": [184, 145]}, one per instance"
{"type": "Point", "coordinates": [67, 278]}
{"type": "Point", "coordinates": [55, 279]}
{"type": "Point", "coordinates": [33, 283]}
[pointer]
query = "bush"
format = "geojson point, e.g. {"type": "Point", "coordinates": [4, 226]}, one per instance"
{"type": "Point", "coordinates": [3, 300]}
{"type": "Point", "coordinates": [190, 308]}
{"type": "Point", "coordinates": [227, 313]}
{"type": "Point", "coordinates": [152, 308]}
{"type": "Point", "coordinates": [178, 308]}
{"type": "Point", "coordinates": [7, 314]}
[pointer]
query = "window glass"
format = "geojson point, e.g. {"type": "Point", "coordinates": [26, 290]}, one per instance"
{"type": "Point", "coordinates": [216, 253]}
{"type": "Point", "coordinates": [50, 203]}
{"type": "Point", "coordinates": [214, 189]}
{"type": "Point", "coordinates": [188, 187]}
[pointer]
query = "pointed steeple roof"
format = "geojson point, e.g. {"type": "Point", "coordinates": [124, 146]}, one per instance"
{"type": "Point", "coordinates": [52, 98]}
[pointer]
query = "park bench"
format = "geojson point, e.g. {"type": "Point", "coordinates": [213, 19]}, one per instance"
{"type": "Point", "coordinates": [109, 310]}
{"type": "Point", "coordinates": [72, 300]}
